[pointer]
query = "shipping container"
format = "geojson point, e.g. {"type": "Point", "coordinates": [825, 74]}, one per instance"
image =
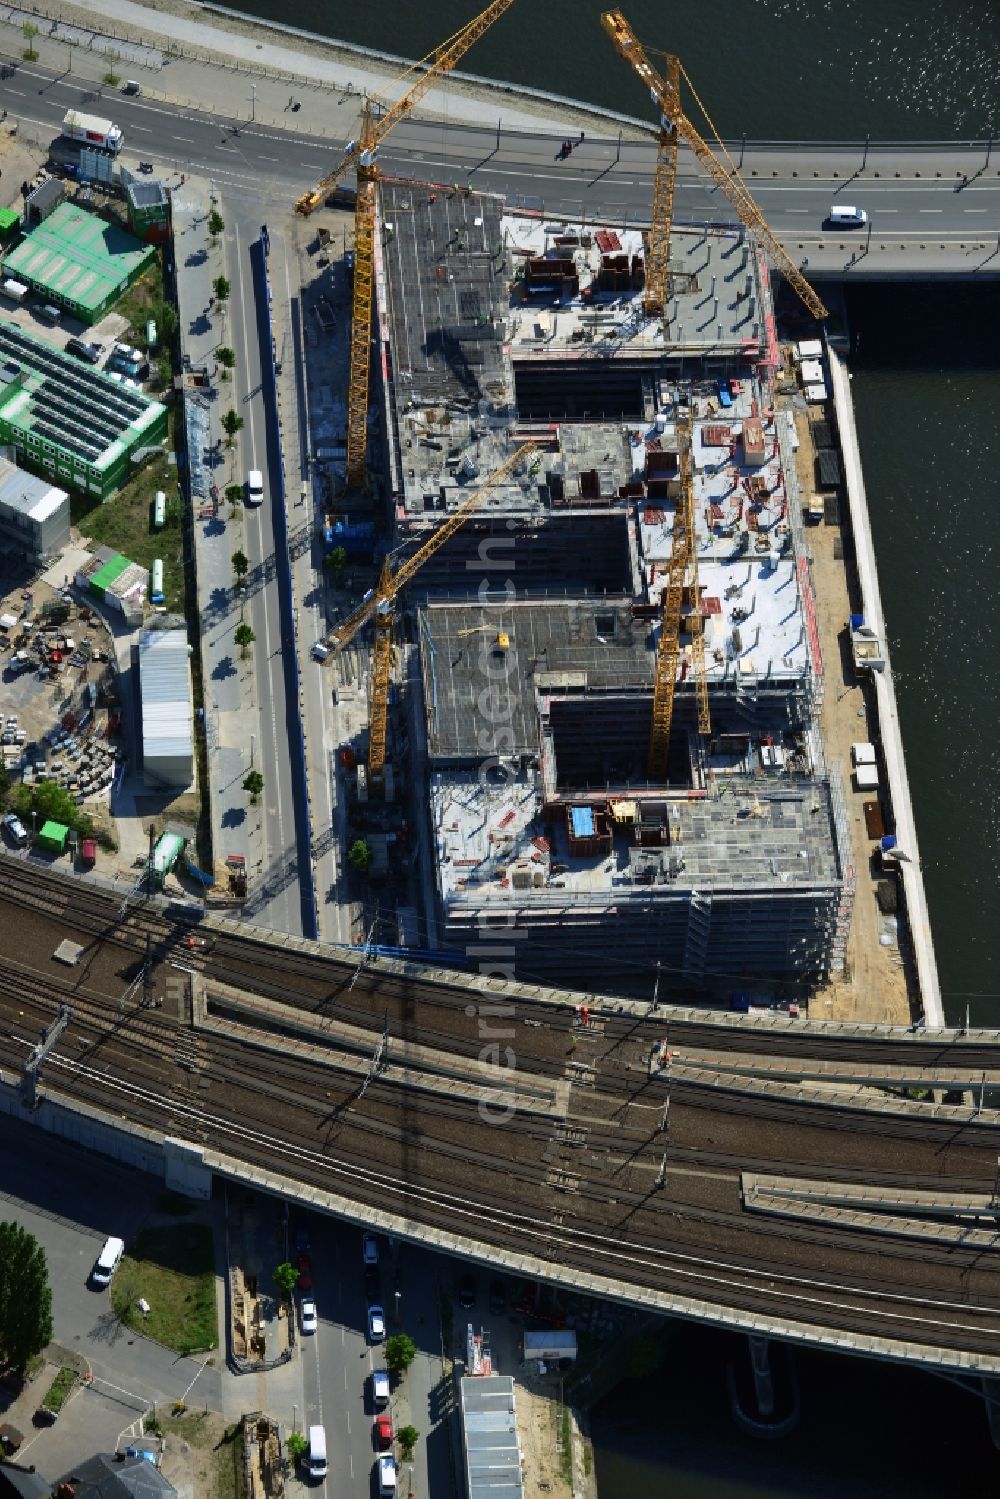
{"type": "Point", "coordinates": [159, 510]}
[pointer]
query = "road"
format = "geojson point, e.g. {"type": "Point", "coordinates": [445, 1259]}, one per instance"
{"type": "Point", "coordinates": [923, 221]}
{"type": "Point", "coordinates": [338, 1362]}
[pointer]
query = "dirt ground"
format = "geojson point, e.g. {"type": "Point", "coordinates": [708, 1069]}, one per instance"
{"type": "Point", "coordinates": [873, 986]}
{"type": "Point", "coordinates": [198, 1457]}
{"type": "Point", "coordinates": [539, 1413]}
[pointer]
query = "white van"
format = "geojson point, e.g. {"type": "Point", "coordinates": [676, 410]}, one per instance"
{"type": "Point", "coordinates": [255, 487]}
{"type": "Point", "coordinates": [107, 1262]}
{"type": "Point", "coordinates": [320, 651]}
{"type": "Point", "coordinates": [316, 1460]}
{"type": "Point", "coordinates": [845, 217]}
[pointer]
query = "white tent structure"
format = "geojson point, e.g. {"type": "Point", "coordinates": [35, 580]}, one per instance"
{"type": "Point", "coordinates": [167, 717]}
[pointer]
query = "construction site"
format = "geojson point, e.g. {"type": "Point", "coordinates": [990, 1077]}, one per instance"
{"type": "Point", "coordinates": [602, 697]}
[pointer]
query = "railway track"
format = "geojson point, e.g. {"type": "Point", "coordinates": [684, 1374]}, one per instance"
{"type": "Point", "coordinates": [766, 1288]}
{"type": "Point", "coordinates": [580, 1193]}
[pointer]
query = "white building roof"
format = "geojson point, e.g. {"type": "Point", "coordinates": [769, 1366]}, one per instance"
{"type": "Point", "coordinates": [165, 680]}
{"type": "Point", "coordinates": [27, 494]}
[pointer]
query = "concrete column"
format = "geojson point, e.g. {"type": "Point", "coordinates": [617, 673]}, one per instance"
{"type": "Point", "coordinates": [760, 1362]}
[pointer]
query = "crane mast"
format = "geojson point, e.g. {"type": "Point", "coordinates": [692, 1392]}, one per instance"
{"type": "Point", "coordinates": [361, 155]}
{"type": "Point", "coordinates": [727, 179]}
{"type": "Point", "coordinates": [658, 286]}
{"type": "Point", "coordinates": [682, 555]}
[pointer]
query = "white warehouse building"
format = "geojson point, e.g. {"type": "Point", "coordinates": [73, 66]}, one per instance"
{"type": "Point", "coordinates": [167, 715]}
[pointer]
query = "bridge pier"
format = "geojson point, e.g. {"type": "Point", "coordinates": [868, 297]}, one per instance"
{"type": "Point", "coordinates": [767, 1404]}
{"type": "Point", "coordinates": [991, 1396]}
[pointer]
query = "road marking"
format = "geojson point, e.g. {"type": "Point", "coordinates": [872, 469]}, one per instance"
{"type": "Point", "coordinates": [18, 91]}
{"type": "Point", "coordinates": [975, 210]}
{"type": "Point", "coordinates": [930, 210]}
{"type": "Point", "coordinates": [309, 166]}
{"type": "Point", "coordinates": [268, 158]}
{"type": "Point", "coordinates": [798, 210]}
{"type": "Point", "coordinates": [148, 129]}
{"type": "Point", "coordinates": [187, 139]}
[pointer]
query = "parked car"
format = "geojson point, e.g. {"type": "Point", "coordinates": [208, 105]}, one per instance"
{"type": "Point", "coordinates": [467, 1291]}
{"type": "Point", "coordinates": [369, 1249]}
{"type": "Point", "coordinates": [14, 830]}
{"type": "Point", "coordinates": [376, 1324]}
{"type": "Point", "coordinates": [307, 1314]}
{"type": "Point", "coordinates": [386, 1477]}
{"type": "Point", "coordinates": [383, 1432]}
{"type": "Point", "coordinates": [83, 350]}
{"type": "Point", "coordinates": [380, 1388]}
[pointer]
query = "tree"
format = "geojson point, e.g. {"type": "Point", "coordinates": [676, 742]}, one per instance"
{"type": "Point", "coordinates": [360, 856]}
{"type": "Point", "coordinates": [234, 494]}
{"type": "Point", "coordinates": [111, 77]}
{"type": "Point", "coordinates": [285, 1275]}
{"type": "Point", "coordinates": [240, 565]}
{"type": "Point", "coordinates": [335, 561]}
{"type": "Point", "coordinates": [232, 423]}
{"type": "Point", "coordinates": [30, 32]}
{"type": "Point", "coordinates": [51, 803]}
{"type": "Point", "coordinates": [221, 288]}
{"type": "Point", "coordinates": [400, 1351]}
{"type": "Point", "coordinates": [164, 315]}
{"type": "Point", "coordinates": [25, 1296]}
{"type": "Point", "coordinates": [244, 637]}
{"type": "Point", "coordinates": [216, 223]}
{"type": "Point", "coordinates": [408, 1437]}
{"type": "Point", "coordinates": [225, 357]}
{"type": "Point", "coordinates": [253, 782]}
{"type": "Point", "coordinates": [296, 1445]}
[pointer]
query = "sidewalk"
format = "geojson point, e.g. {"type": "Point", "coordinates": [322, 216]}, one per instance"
{"type": "Point", "coordinates": [228, 680]}
{"type": "Point", "coordinates": [248, 71]}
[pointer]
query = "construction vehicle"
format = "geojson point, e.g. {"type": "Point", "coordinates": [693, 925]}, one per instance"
{"type": "Point", "coordinates": [378, 607]}
{"type": "Point", "coordinates": [666, 93]}
{"type": "Point", "coordinates": [360, 155]}
{"type": "Point", "coordinates": [683, 565]}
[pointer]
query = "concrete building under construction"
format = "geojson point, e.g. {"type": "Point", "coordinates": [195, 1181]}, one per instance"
{"type": "Point", "coordinates": [538, 624]}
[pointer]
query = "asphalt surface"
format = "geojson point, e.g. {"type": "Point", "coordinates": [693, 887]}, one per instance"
{"type": "Point", "coordinates": [72, 1201]}
{"type": "Point", "coordinates": [923, 220]}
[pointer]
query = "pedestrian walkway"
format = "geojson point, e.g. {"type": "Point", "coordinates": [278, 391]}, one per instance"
{"type": "Point", "coordinates": [252, 72]}
{"type": "Point", "coordinates": [228, 679]}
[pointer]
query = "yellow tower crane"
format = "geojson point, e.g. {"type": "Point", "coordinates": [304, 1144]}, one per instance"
{"type": "Point", "coordinates": [360, 155]}
{"type": "Point", "coordinates": [666, 93]}
{"type": "Point", "coordinates": [683, 565]}
{"type": "Point", "coordinates": [378, 607]}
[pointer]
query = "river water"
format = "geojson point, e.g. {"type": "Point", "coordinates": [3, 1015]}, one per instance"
{"type": "Point", "coordinates": [927, 391]}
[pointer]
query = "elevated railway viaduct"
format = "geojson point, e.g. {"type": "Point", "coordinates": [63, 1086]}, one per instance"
{"type": "Point", "coordinates": [771, 1175]}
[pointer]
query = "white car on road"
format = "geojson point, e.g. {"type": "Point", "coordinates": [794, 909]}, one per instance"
{"type": "Point", "coordinates": [376, 1324]}
{"type": "Point", "coordinates": [380, 1388]}
{"type": "Point", "coordinates": [307, 1314]}
{"type": "Point", "coordinates": [386, 1477]}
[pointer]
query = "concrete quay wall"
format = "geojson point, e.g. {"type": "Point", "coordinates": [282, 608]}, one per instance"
{"type": "Point", "coordinates": [189, 1167]}
{"type": "Point", "coordinates": [914, 896]}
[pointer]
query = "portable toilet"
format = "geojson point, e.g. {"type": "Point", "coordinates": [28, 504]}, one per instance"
{"type": "Point", "coordinates": [159, 510]}
{"type": "Point", "coordinates": [156, 595]}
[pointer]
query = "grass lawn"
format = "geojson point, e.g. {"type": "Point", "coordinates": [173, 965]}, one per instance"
{"type": "Point", "coordinates": [125, 521]}
{"type": "Point", "coordinates": [142, 301]}
{"type": "Point", "coordinates": [59, 1389]}
{"type": "Point", "coordinates": [173, 1269]}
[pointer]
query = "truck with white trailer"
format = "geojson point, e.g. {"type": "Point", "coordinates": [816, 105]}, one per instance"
{"type": "Point", "coordinates": [91, 130]}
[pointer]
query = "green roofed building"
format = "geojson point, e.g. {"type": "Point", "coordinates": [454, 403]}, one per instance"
{"type": "Point", "coordinates": [53, 837]}
{"type": "Point", "coordinates": [78, 261]}
{"type": "Point", "coordinates": [70, 420]}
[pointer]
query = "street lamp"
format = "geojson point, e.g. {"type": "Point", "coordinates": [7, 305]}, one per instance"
{"type": "Point", "coordinates": [253, 102]}
{"type": "Point", "coordinates": [397, 1296]}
